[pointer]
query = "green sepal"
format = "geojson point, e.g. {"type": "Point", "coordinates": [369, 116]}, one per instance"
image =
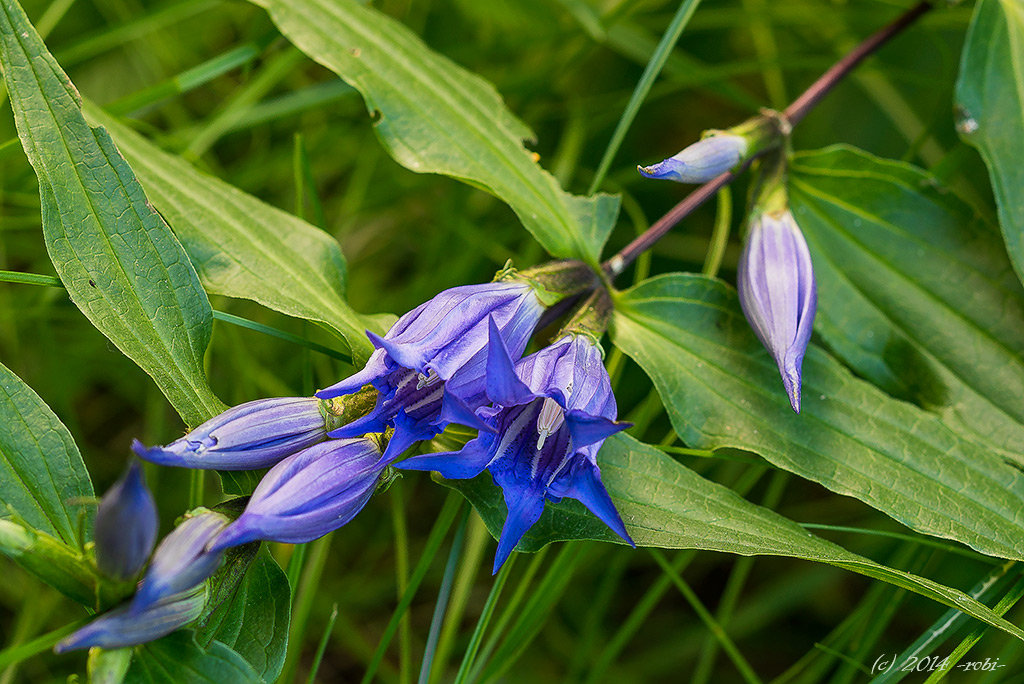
{"type": "Point", "coordinates": [68, 570]}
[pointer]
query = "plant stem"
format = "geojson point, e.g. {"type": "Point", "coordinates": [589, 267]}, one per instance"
{"type": "Point", "coordinates": [794, 113]}
{"type": "Point", "coordinates": [828, 80]}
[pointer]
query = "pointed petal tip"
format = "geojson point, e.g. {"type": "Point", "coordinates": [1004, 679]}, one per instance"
{"type": "Point", "coordinates": [659, 171]}
{"type": "Point", "coordinates": [503, 385]}
{"type": "Point", "coordinates": [499, 560]}
{"type": "Point", "coordinates": [327, 393]}
{"type": "Point", "coordinates": [791, 381]}
{"type": "Point", "coordinates": [156, 454]}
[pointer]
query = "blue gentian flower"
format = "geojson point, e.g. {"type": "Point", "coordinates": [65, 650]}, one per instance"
{"type": "Point", "coordinates": [253, 435]}
{"type": "Point", "coordinates": [778, 294]}
{"type": "Point", "coordinates": [551, 413]}
{"type": "Point", "coordinates": [307, 495]}
{"type": "Point", "coordinates": [122, 627]}
{"type": "Point", "coordinates": [429, 368]}
{"type": "Point", "coordinates": [702, 161]}
{"type": "Point", "coordinates": [126, 525]}
{"type": "Point", "coordinates": [181, 561]}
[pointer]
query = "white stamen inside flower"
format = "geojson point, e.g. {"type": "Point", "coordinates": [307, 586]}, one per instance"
{"type": "Point", "coordinates": [549, 420]}
{"type": "Point", "coordinates": [431, 378]}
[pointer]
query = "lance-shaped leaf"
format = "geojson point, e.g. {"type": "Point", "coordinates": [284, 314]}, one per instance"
{"type": "Point", "coordinates": [433, 116]}
{"type": "Point", "coordinates": [719, 388]}
{"type": "Point", "coordinates": [990, 106]}
{"type": "Point", "coordinates": [243, 247]}
{"type": "Point", "coordinates": [42, 477]}
{"type": "Point", "coordinates": [178, 658]}
{"type": "Point", "coordinates": [666, 505]}
{"type": "Point", "coordinates": [921, 298]}
{"type": "Point", "coordinates": [249, 609]}
{"type": "Point", "coordinates": [117, 258]}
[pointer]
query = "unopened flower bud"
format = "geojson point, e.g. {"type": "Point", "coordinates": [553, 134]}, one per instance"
{"type": "Point", "coordinates": [253, 435]}
{"type": "Point", "coordinates": [181, 561]}
{"type": "Point", "coordinates": [777, 291]}
{"type": "Point", "coordinates": [126, 525]}
{"type": "Point", "coordinates": [307, 495]}
{"type": "Point", "coordinates": [702, 161]}
{"type": "Point", "coordinates": [124, 627]}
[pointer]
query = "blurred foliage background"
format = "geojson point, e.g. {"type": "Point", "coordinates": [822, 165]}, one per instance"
{"type": "Point", "coordinates": [288, 131]}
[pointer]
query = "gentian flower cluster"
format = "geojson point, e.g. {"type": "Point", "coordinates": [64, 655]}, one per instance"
{"type": "Point", "coordinates": [455, 359]}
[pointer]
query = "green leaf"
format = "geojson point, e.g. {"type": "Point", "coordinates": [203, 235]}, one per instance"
{"type": "Point", "coordinates": [178, 658]}
{"type": "Point", "coordinates": [915, 290]}
{"type": "Point", "coordinates": [243, 247]}
{"type": "Point", "coordinates": [42, 477]}
{"type": "Point", "coordinates": [433, 116]}
{"type": "Point", "coordinates": [249, 610]}
{"type": "Point", "coordinates": [990, 108]}
{"type": "Point", "coordinates": [117, 258]}
{"type": "Point", "coordinates": [722, 389]}
{"type": "Point", "coordinates": [666, 505]}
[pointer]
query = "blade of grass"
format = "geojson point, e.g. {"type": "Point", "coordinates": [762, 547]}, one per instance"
{"type": "Point", "coordinates": [16, 654]}
{"type": "Point", "coordinates": [443, 594]}
{"type": "Point", "coordinates": [305, 596]}
{"type": "Point", "coordinates": [767, 51]}
{"type": "Point", "coordinates": [485, 617]}
{"type": "Point", "coordinates": [636, 618]}
{"type": "Point", "coordinates": [726, 643]}
{"type": "Point", "coordinates": [189, 79]}
{"type": "Point", "coordinates": [151, 22]}
{"type": "Point", "coordinates": [643, 87]}
{"type": "Point", "coordinates": [734, 586]}
{"type": "Point", "coordinates": [401, 580]}
{"type": "Point", "coordinates": [534, 615]}
{"type": "Point", "coordinates": [322, 646]}
{"type": "Point", "coordinates": [469, 566]}
{"type": "Point", "coordinates": [719, 234]}
{"type": "Point", "coordinates": [600, 603]}
{"type": "Point", "coordinates": [923, 541]}
{"type": "Point", "coordinates": [280, 334]}
{"type": "Point", "coordinates": [273, 71]}
{"type": "Point", "coordinates": [445, 518]}
{"type": "Point", "coordinates": [30, 279]}
{"type": "Point", "coordinates": [511, 610]}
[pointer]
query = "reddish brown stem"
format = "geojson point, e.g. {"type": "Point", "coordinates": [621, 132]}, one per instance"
{"type": "Point", "coordinates": [794, 113]}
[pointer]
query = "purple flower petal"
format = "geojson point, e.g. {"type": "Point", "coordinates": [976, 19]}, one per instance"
{"type": "Point", "coordinates": [556, 410]}
{"type": "Point", "coordinates": [778, 293]}
{"type": "Point", "coordinates": [436, 351]}
{"type": "Point", "coordinates": [126, 525]}
{"type": "Point", "coordinates": [122, 627]}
